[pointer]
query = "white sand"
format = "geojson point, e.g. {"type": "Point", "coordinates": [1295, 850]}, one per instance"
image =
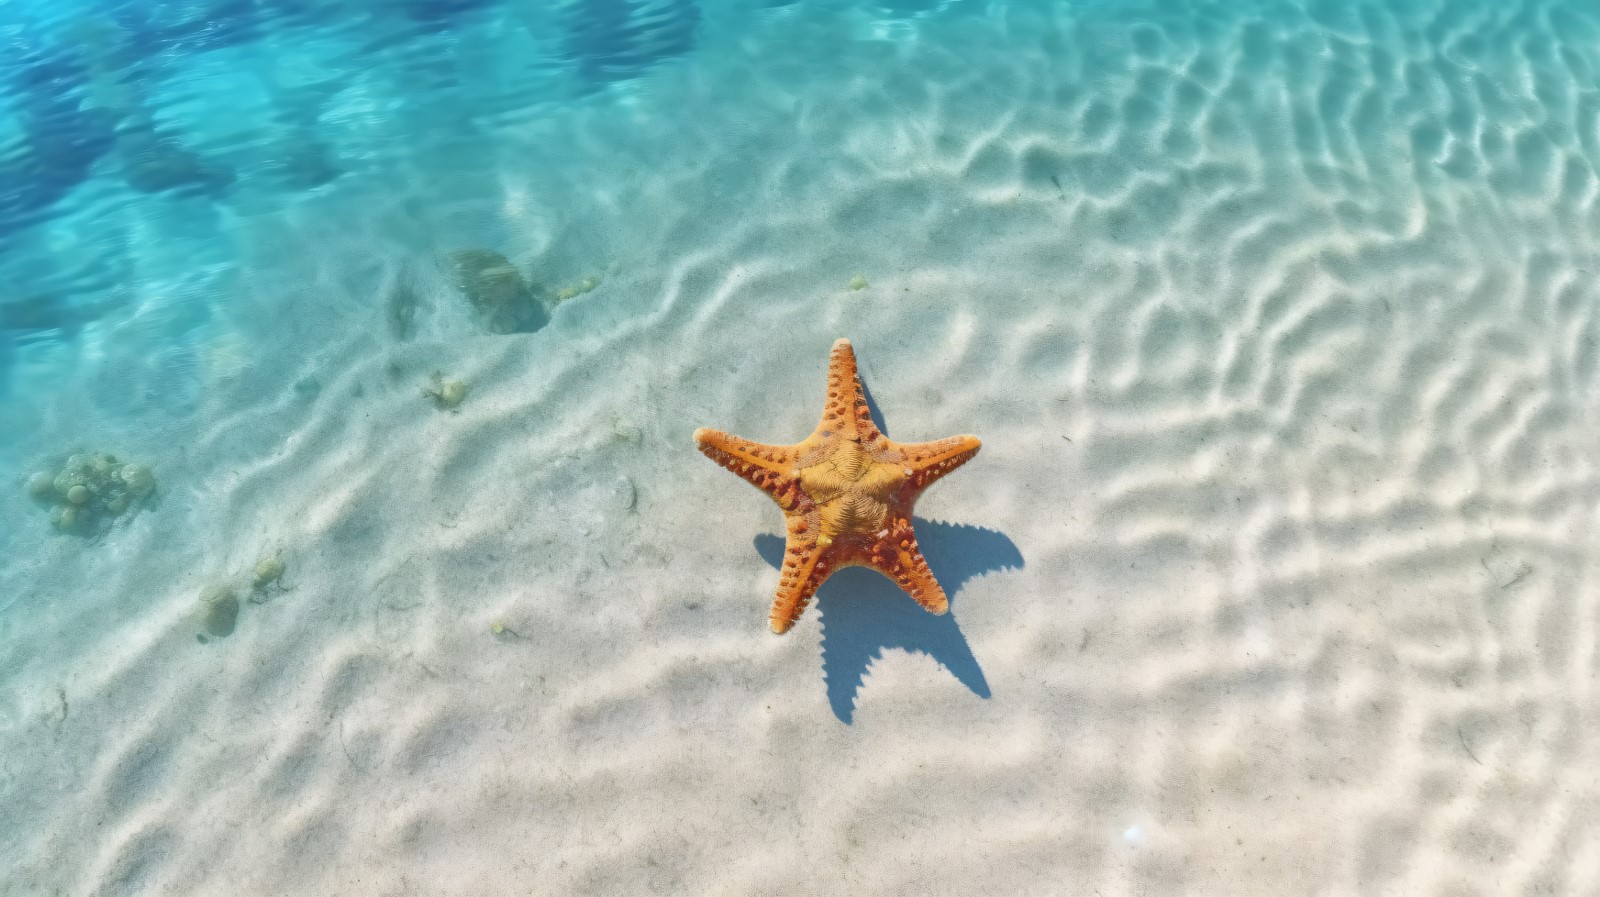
{"type": "Point", "coordinates": [1276, 574]}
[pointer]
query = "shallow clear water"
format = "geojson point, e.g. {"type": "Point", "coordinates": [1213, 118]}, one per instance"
{"type": "Point", "coordinates": [1278, 319]}
{"type": "Point", "coordinates": [137, 137]}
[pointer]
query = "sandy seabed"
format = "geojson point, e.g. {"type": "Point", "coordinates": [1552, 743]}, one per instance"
{"type": "Point", "coordinates": [1276, 574]}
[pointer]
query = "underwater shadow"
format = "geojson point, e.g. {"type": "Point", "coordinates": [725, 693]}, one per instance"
{"type": "Point", "coordinates": [863, 613]}
{"type": "Point", "coordinates": [608, 41]}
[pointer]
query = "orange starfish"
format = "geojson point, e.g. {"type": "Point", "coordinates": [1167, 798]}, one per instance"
{"type": "Point", "coordinates": [846, 493]}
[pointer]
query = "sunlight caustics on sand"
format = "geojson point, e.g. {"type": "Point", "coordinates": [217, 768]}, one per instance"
{"type": "Point", "coordinates": [1279, 320]}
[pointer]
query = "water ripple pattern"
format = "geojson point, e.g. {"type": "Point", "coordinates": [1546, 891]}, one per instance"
{"type": "Point", "coordinates": [1279, 321]}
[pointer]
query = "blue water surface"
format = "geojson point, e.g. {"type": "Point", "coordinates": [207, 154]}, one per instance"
{"type": "Point", "coordinates": [132, 132]}
{"type": "Point", "coordinates": [115, 103]}
{"type": "Point", "coordinates": [1279, 320]}
{"type": "Point", "coordinates": [173, 112]}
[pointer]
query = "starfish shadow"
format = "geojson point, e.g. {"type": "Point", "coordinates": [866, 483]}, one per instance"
{"type": "Point", "coordinates": [863, 613]}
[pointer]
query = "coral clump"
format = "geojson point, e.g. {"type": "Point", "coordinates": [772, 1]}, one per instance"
{"type": "Point", "coordinates": [90, 490]}
{"type": "Point", "coordinates": [446, 394]}
{"type": "Point", "coordinates": [502, 297]}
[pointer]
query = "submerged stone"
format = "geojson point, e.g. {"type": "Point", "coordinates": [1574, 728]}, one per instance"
{"type": "Point", "coordinates": [268, 570]}
{"type": "Point", "coordinates": [504, 301]}
{"type": "Point", "coordinates": [446, 394]}
{"type": "Point", "coordinates": [219, 610]}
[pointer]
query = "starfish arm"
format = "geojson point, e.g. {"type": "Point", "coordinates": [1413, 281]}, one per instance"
{"type": "Point", "coordinates": [896, 555]}
{"type": "Point", "coordinates": [847, 402]}
{"type": "Point", "coordinates": [918, 582]}
{"type": "Point", "coordinates": [929, 461]}
{"type": "Point", "coordinates": [804, 569]}
{"type": "Point", "coordinates": [767, 467]}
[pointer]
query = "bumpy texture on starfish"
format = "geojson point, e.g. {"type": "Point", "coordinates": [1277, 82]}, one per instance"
{"type": "Point", "coordinates": [846, 494]}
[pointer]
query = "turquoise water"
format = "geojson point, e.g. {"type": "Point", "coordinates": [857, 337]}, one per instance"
{"type": "Point", "coordinates": [138, 137]}
{"type": "Point", "coordinates": [142, 141]}
{"type": "Point", "coordinates": [1278, 319]}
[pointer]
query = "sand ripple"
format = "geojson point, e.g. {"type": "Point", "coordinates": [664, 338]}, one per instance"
{"type": "Point", "coordinates": [1278, 321]}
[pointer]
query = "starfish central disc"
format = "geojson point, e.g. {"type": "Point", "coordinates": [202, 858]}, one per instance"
{"type": "Point", "coordinates": [852, 488]}
{"type": "Point", "coordinates": [846, 492]}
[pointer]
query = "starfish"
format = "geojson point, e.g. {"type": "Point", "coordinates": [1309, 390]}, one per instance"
{"type": "Point", "coordinates": [846, 492]}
